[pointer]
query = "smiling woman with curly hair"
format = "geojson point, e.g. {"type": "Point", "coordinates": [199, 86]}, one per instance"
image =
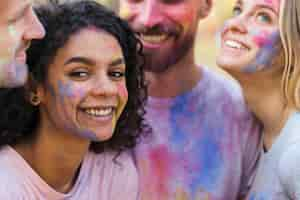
{"type": "Point", "coordinates": [67, 134]}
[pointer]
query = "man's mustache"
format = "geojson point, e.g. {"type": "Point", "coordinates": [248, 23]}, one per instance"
{"type": "Point", "coordinates": [169, 29]}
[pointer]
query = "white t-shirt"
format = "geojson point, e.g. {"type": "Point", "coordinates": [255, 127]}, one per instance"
{"type": "Point", "coordinates": [278, 175]}
{"type": "Point", "coordinates": [100, 178]}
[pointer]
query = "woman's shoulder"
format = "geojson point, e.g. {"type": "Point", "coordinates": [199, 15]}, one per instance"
{"type": "Point", "coordinates": [117, 170]}
{"type": "Point", "coordinates": [11, 180]}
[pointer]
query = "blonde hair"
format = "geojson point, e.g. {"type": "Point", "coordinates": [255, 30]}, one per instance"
{"type": "Point", "coordinates": [289, 25]}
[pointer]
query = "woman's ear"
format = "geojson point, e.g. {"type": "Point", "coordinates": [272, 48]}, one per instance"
{"type": "Point", "coordinates": [34, 91]}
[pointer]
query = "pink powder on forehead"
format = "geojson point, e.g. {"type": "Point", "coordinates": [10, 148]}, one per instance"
{"type": "Point", "coordinates": [274, 3]}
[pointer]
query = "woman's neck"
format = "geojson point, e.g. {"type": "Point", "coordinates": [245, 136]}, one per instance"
{"type": "Point", "coordinates": [56, 157]}
{"type": "Point", "coordinates": [263, 95]}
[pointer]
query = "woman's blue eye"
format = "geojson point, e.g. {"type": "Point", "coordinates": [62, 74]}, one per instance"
{"type": "Point", "coordinates": [264, 18]}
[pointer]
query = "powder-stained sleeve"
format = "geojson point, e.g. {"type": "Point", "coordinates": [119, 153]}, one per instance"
{"type": "Point", "coordinates": [252, 147]}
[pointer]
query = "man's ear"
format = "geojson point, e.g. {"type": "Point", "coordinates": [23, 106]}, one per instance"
{"type": "Point", "coordinates": [205, 8]}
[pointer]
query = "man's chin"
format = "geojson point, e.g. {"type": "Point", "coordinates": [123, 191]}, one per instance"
{"type": "Point", "coordinates": [159, 63]}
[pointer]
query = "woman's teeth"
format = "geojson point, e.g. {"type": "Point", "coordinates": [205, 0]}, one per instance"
{"type": "Point", "coordinates": [154, 38]}
{"type": "Point", "coordinates": [234, 44]}
{"type": "Point", "coordinates": [99, 112]}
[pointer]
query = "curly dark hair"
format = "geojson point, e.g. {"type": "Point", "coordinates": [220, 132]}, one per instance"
{"type": "Point", "coordinates": [19, 119]}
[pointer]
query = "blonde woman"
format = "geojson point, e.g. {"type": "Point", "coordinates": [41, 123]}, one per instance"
{"type": "Point", "coordinates": [260, 47]}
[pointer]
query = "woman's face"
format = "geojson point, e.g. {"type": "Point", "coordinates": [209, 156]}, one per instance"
{"type": "Point", "coordinates": [250, 40]}
{"type": "Point", "coordinates": [86, 89]}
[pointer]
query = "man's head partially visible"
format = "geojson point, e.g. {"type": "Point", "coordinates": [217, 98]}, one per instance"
{"type": "Point", "coordinates": [18, 26]}
{"type": "Point", "coordinates": [167, 28]}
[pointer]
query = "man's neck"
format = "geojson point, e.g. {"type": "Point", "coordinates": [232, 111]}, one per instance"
{"type": "Point", "coordinates": [55, 157]}
{"type": "Point", "coordinates": [179, 78]}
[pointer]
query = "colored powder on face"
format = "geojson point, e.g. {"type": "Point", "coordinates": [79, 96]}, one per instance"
{"type": "Point", "coordinates": [122, 91]}
{"type": "Point", "coordinates": [66, 92]}
{"type": "Point", "coordinates": [12, 74]}
{"type": "Point", "coordinates": [268, 51]}
{"type": "Point", "coordinates": [21, 73]}
{"type": "Point", "coordinates": [12, 31]}
{"type": "Point", "coordinates": [88, 135]}
{"type": "Point", "coordinates": [269, 1]}
{"type": "Point", "coordinates": [66, 89]}
{"type": "Point", "coordinates": [273, 3]}
{"type": "Point", "coordinates": [262, 38]}
{"type": "Point", "coordinates": [123, 97]}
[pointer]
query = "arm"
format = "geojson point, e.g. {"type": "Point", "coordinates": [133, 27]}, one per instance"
{"type": "Point", "coordinates": [252, 145]}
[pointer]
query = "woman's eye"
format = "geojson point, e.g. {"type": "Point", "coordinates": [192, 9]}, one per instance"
{"type": "Point", "coordinates": [236, 11]}
{"type": "Point", "coordinates": [117, 74]}
{"type": "Point", "coordinates": [79, 74]}
{"type": "Point", "coordinates": [264, 18]}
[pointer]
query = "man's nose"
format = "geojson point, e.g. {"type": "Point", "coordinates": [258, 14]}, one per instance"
{"type": "Point", "coordinates": [34, 28]}
{"type": "Point", "coordinates": [151, 13]}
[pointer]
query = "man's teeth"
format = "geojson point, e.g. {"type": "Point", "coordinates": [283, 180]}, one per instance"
{"type": "Point", "coordinates": [154, 38]}
{"type": "Point", "coordinates": [99, 112]}
{"type": "Point", "coordinates": [234, 44]}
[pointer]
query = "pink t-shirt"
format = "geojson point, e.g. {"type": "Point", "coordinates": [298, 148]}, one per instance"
{"type": "Point", "coordinates": [100, 178]}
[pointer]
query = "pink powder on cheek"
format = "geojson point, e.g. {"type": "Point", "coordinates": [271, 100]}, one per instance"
{"type": "Point", "coordinates": [122, 91]}
{"type": "Point", "coordinates": [123, 97]}
{"type": "Point", "coordinates": [262, 38]}
{"type": "Point", "coordinates": [67, 90]}
{"type": "Point", "coordinates": [184, 15]}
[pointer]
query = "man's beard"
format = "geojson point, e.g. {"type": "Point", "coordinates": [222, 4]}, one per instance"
{"type": "Point", "coordinates": [160, 62]}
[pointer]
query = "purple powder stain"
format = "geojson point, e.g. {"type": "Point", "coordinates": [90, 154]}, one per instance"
{"type": "Point", "coordinates": [266, 54]}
